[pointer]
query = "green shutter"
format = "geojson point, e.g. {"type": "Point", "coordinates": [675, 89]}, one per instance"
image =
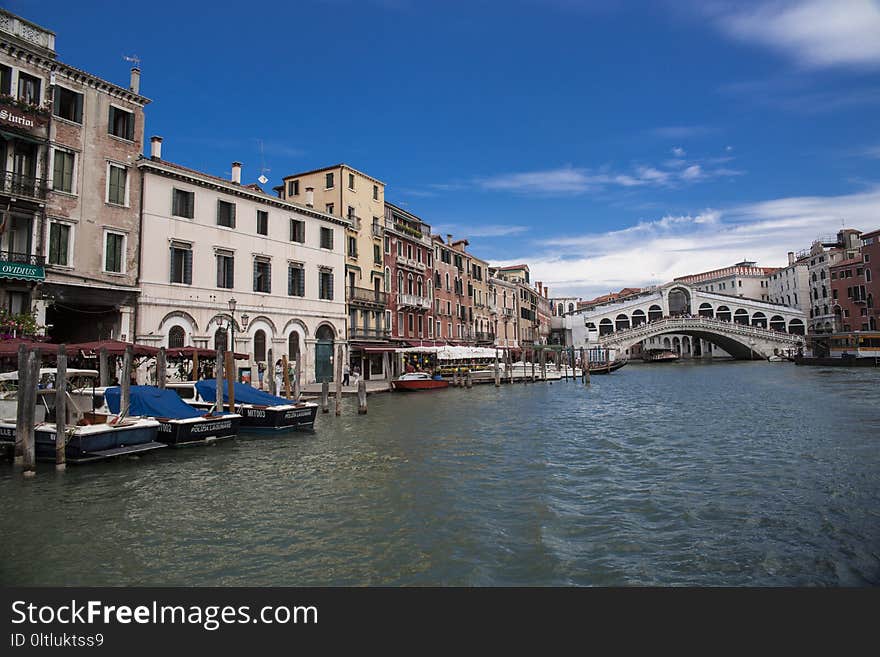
{"type": "Point", "coordinates": [187, 266]}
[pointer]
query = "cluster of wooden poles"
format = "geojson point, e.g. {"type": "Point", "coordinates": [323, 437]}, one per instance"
{"type": "Point", "coordinates": [537, 359]}
{"type": "Point", "coordinates": [325, 389]}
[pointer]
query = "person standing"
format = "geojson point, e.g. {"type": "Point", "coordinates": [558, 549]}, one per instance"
{"type": "Point", "coordinates": [346, 373]}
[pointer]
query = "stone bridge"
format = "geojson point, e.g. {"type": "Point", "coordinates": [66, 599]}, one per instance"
{"type": "Point", "coordinates": [739, 340]}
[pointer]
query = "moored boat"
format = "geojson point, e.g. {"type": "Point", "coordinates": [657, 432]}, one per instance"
{"type": "Point", "coordinates": [607, 367]}
{"type": "Point", "coordinates": [259, 410]}
{"type": "Point", "coordinates": [418, 381]}
{"type": "Point", "coordinates": [660, 356]}
{"type": "Point", "coordinates": [180, 424]}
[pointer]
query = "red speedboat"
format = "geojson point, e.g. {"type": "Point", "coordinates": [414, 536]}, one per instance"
{"type": "Point", "coordinates": [418, 381]}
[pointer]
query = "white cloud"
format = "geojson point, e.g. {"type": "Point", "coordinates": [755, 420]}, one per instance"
{"type": "Point", "coordinates": [693, 172]}
{"type": "Point", "coordinates": [815, 33]}
{"type": "Point", "coordinates": [678, 151]}
{"type": "Point", "coordinates": [657, 251]}
{"type": "Point", "coordinates": [484, 230]}
{"type": "Point", "coordinates": [682, 131]}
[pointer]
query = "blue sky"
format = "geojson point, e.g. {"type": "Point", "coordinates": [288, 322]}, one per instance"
{"type": "Point", "coordinates": [605, 146]}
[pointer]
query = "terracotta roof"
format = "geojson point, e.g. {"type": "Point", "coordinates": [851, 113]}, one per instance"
{"type": "Point", "coordinates": [333, 167]}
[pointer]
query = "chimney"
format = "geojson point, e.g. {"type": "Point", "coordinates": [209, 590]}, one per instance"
{"type": "Point", "coordinates": [791, 257]}
{"type": "Point", "coordinates": [540, 291]}
{"type": "Point", "coordinates": [135, 85]}
{"type": "Point", "coordinates": [310, 197]}
{"type": "Point", "coordinates": [236, 173]}
{"type": "Point", "coordinates": [155, 147]}
{"type": "Point", "coordinates": [546, 292]}
{"type": "Point", "coordinates": [449, 239]}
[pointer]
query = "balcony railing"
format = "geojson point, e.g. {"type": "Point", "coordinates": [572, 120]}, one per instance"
{"type": "Point", "coordinates": [366, 295]}
{"type": "Point", "coordinates": [413, 301]}
{"type": "Point", "coordinates": [377, 230]}
{"type": "Point", "coordinates": [22, 258]}
{"type": "Point", "coordinates": [16, 184]}
{"type": "Point", "coordinates": [355, 221]}
{"type": "Point", "coordinates": [359, 333]}
{"type": "Point", "coordinates": [485, 337]}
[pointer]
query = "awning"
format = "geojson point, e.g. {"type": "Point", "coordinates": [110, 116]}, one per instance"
{"type": "Point", "coordinates": [22, 271]}
{"type": "Point", "coordinates": [379, 350]}
{"type": "Point", "coordinates": [23, 137]}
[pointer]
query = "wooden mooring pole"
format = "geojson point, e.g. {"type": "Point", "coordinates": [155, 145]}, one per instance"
{"type": "Point", "coordinates": [362, 396]}
{"type": "Point", "coordinates": [19, 406]}
{"type": "Point", "coordinates": [230, 381]}
{"type": "Point", "coordinates": [103, 367]}
{"type": "Point", "coordinates": [297, 373]}
{"type": "Point", "coordinates": [161, 369]}
{"type": "Point", "coordinates": [61, 409]}
{"type": "Point", "coordinates": [195, 376]}
{"type": "Point", "coordinates": [270, 370]}
{"type": "Point", "coordinates": [532, 359]}
{"type": "Point", "coordinates": [125, 382]}
{"type": "Point", "coordinates": [542, 359]}
{"type": "Point", "coordinates": [28, 396]}
{"type": "Point", "coordinates": [325, 396]}
{"type": "Point", "coordinates": [497, 371]}
{"type": "Point", "coordinates": [468, 380]}
{"type": "Point", "coordinates": [218, 381]}
{"type": "Point", "coordinates": [285, 375]}
{"type": "Point", "coordinates": [340, 354]}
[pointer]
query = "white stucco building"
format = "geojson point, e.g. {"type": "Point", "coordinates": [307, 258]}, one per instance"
{"type": "Point", "coordinates": [206, 240]}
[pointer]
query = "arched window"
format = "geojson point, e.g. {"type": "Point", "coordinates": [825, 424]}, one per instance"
{"type": "Point", "coordinates": [741, 317]}
{"type": "Point", "coordinates": [605, 327]}
{"type": "Point", "coordinates": [220, 339]}
{"type": "Point", "coordinates": [571, 307]}
{"type": "Point", "coordinates": [822, 274]}
{"type": "Point", "coordinates": [777, 323]}
{"type": "Point", "coordinates": [796, 327]}
{"type": "Point", "coordinates": [409, 284]}
{"type": "Point", "coordinates": [705, 310]}
{"type": "Point", "coordinates": [176, 337]}
{"type": "Point", "coordinates": [293, 346]}
{"type": "Point", "coordinates": [723, 313]}
{"type": "Point", "coordinates": [759, 319]}
{"type": "Point", "coordinates": [260, 345]}
{"type": "Point", "coordinates": [654, 313]}
{"type": "Point", "coordinates": [638, 318]}
{"type": "Point", "coordinates": [824, 292]}
{"type": "Point", "coordinates": [399, 282]}
{"type": "Point", "coordinates": [560, 310]}
{"type": "Point", "coordinates": [621, 322]}
{"type": "Point", "coordinates": [419, 286]}
{"type": "Point", "coordinates": [447, 281]}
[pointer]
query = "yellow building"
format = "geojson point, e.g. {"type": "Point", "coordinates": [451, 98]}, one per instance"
{"type": "Point", "coordinates": [345, 192]}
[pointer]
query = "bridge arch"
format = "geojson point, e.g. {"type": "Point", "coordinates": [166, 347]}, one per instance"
{"type": "Point", "coordinates": [678, 300]}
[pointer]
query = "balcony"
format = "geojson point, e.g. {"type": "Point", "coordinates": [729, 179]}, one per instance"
{"type": "Point", "coordinates": [355, 222]}
{"type": "Point", "coordinates": [360, 333]}
{"type": "Point", "coordinates": [22, 266]}
{"type": "Point", "coordinates": [493, 309]}
{"type": "Point", "coordinates": [365, 295]}
{"type": "Point", "coordinates": [507, 312]}
{"type": "Point", "coordinates": [485, 337]}
{"type": "Point", "coordinates": [377, 230]}
{"type": "Point", "coordinates": [413, 301]}
{"type": "Point", "coordinates": [409, 263]}
{"type": "Point", "coordinates": [15, 184]}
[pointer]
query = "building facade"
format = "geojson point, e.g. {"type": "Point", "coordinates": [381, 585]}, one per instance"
{"type": "Point", "coordinates": [483, 328]}
{"type": "Point", "coordinates": [69, 192]}
{"type": "Point", "coordinates": [744, 279]}
{"type": "Point", "coordinates": [871, 258]}
{"type": "Point", "coordinates": [453, 291]}
{"type": "Point", "coordinates": [409, 276]}
{"type": "Point", "coordinates": [207, 241]}
{"type": "Point", "coordinates": [823, 254]}
{"type": "Point", "coordinates": [850, 281]}
{"type": "Point", "coordinates": [343, 191]}
{"type": "Point", "coordinates": [505, 307]}
{"type": "Point", "coordinates": [790, 285]}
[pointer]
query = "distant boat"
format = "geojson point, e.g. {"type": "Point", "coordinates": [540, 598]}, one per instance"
{"type": "Point", "coordinates": [606, 368]}
{"type": "Point", "coordinates": [660, 356]}
{"type": "Point", "coordinates": [776, 358]}
{"type": "Point", "coordinates": [418, 381]}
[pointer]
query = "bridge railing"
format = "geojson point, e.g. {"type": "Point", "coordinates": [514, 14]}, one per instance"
{"type": "Point", "coordinates": [699, 323]}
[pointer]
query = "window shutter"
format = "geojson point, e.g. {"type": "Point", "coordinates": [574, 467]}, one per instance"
{"type": "Point", "coordinates": [220, 278]}
{"type": "Point", "coordinates": [78, 112]}
{"type": "Point", "coordinates": [302, 282]}
{"type": "Point", "coordinates": [256, 271]}
{"type": "Point", "coordinates": [175, 204]}
{"type": "Point", "coordinates": [269, 277]}
{"type": "Point", "coordinates": [187, 266]}
{"type": "Point", "coordinates": [290, 281]}
{"type": "Point", "coordinates": [129, 127]}
{"type": "Point", "coordinates": [329, 276]}
{"type": "Point", "coordinates": [54, 239]}
{"type": "Point", "coordinates": [232, 215]}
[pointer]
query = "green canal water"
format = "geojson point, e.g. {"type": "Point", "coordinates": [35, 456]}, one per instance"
{"type": "Point", "coordinates": [686, 474]}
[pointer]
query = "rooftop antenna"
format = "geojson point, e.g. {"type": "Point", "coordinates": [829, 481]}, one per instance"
{"type": "Point", "coordinates": [134, 59]}
{"type": "Point", "coordinates": [263, 170]}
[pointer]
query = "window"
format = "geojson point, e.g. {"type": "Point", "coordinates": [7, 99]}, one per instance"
{"type": "Point", "coordinates": [114, 250]}
{"type": "Point", "coordinates": [329, 208]}
{"type": "Point", "coordinates": [183, 203]}
{"type": "Point", "coordinates": [350, 214]}
{"type": "Point", "coordinates": [121, 124]}
{"type": "Point", "coordinates": [181, 263]}
{"type": "Point", "coordinates": [116, 187]}
{"type": "Point", "coordinates": [62, 177]}
{"type": "Point", "coordinates": [67, 104]}
{"type": "Point", "coordinates": [260, 345]}
{"type": "Point", "coordinates": [262, 222]}
{"type": "Point", "coordinates": [400, 328]}
{"type": "Point", "coordinates": [5, 80]}
{"type": "Point", "coordinates": [387, 244]}
{"type": "Point", "coordinates": [29, 89]}
{"type": "Point", "coordinates": [226, 214]}
{"type": "Point", "coordinates": [296, 280]}
{"type": "Point", "coordinates": [59, 244]}
{"type": "Point", "coordinates": [351, 181]}
{"type": "Point", "coordinates": [293, 188]}
{"type": "Point", "coordinates": [176, 337]}
{"type": "Point", "coordinates": [225, 270]}
{"type": "Point", "coordinates": [329, 181]}
{"type": "Point", "coordinates": [325, 284]}
{"type": "Point", "coordinates": [297, 231]}
{"type": "Point", "coordinates": [377, 254]}
{"type": "Point", "coordinates": [352, 247]}
{"type": "Point", "coordinates": [375, 192]}
{"type": "Point", "coordinates": [262, 275]}
{"type": "Point", "coordinates": [326, 238]}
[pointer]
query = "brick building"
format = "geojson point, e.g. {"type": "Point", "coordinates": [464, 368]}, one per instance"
{"type": "Point", "coordinates": [69, 196]}
{"type": "Point", "coordinates": [409, 275]}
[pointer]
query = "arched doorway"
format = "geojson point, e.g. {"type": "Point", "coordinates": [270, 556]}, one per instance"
{"type": "Point", "coordinates": [676, 345]}
{"type": "Point", "coordinates": [741, 317]}
{"type": "Point", "coordinates": [324, 337]}
{"type": "Point", "coordinates": [777, 323]}
{"type": "Point", "coordinates": [293, 346]}
{"type": "Point", "coordinates": [723, 313]}
{"type": "Point", "coordinates": [667, 344]}
{"type": "Point", "coordinates": [606, 327]}
{"type": "Point", "coordinates": [176, 337]}
{"type": "Point", "coordinates": [759, 319]}
{"type": "Point", "coordinates": [638, 318]}
{"type": "Point", "coordinates": [621, 322]}
{"type": "Point", "coordinates": [686, 346]}
{"type": "Point", "coordinates": [796, 327]}
{"type": "Point", "coordinates": [679, 302]}
{"type": "Point", "coordinates": [654, 313]}
{"type": "Point", "coordinates": [706, 310]}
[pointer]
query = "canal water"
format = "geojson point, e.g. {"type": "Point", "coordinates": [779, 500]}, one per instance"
{"type": "Point", "coordinates": [684, 474]}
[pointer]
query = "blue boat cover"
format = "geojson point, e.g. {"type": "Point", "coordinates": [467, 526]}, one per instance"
{"type": "Point", "coordinates": [152, 402]}
{"type": "Point", "coordinates": [244, 394]}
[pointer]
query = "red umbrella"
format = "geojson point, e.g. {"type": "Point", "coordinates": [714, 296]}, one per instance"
{"type": "Point", "coordinates": [10, 347]}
